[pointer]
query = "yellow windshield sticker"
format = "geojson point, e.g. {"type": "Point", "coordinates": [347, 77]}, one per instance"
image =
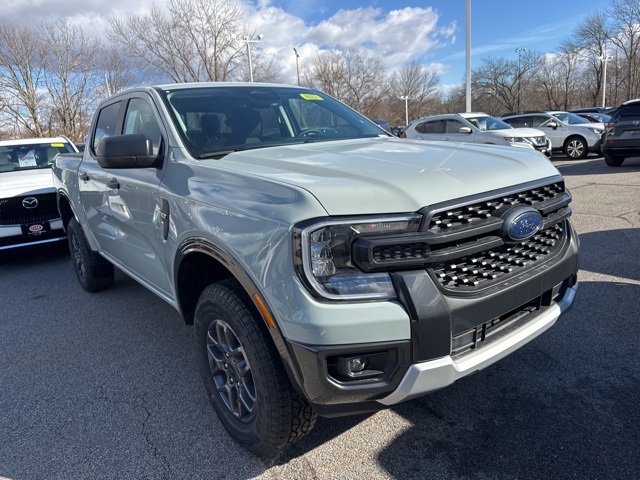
{"type": "Point", "coordinates": [59, 145]}
{"type": "Point", "coordinates": [310, 96]}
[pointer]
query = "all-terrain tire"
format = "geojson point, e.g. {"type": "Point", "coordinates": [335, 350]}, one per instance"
{"type": "Point", "coordinates": [243, 373]}
{"type": "Point", "coordinates": [94, 272]}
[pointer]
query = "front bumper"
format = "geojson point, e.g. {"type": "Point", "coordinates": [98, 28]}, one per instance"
{"type": "Point", "coordinates": [14, 236]}
{"type": "Point", "coordinates": [451, 336]}
{"type": "Point", "coordinates": [433, 375]}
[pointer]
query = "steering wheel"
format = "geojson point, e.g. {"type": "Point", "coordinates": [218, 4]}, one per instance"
{"type": "Point", "coordinates": [308, 132]}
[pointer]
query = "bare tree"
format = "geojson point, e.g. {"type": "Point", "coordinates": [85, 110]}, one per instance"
{"type": "Point", "coordinates": [351, 76]}
{"type": "Point", "coordinates": [590, 39]}
{"type": "Point", "coordinates": [196, 40]}
{"type": "Point", "coordinates": [626, 19]}
{"type": "Point", "coordinates": [70, 60]}
{"type": "Point", "coordinates": [558, 76]}
{"type": "Point", "coordinates": [118, 71]}
{"type": "Point", "coordinates": [496, 80]}
{"type": "Point", "coordinates": [21, 76]}
{"type": "Point", "coordinates": [419, 84]}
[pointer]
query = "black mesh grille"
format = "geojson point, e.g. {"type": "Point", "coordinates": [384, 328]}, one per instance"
{"type": "Point", "coordinates": [388, 253]}
{"type": "Point", "coordinates": [474, 270]}
{"type": "Point", "coordinates": [12, 212]}
{"type": "Point", "coordinates": [461, 227]}
{"type": "Point", "coordinates": [474, 213]}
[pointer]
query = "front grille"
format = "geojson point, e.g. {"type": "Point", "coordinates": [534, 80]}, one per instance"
{"type": "Point", "coordinates": [490, 265]}
{"type": "Point", "coordinates": [468, 251]}
{"type": "Point", "coordinates": [13, 213]}
{"type": "Point", "coordinates": [448, 220]}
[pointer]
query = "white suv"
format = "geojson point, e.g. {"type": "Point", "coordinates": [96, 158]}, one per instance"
{"type": "Point", "coordinates": [28, 210]}
{"type": "Point", "coordinates": [570, 133]}
{"type": "Point", "coordinates": [476, 128]}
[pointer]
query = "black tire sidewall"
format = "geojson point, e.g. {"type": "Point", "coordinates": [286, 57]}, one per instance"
{"type": "Point", "coordinates": [612, 160]}
{"type": "Point", "coordinates": [217, 302]}
{"type": "Point", "coordinates": [98, 272]}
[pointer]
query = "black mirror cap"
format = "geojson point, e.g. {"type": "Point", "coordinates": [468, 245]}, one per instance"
{"type": "Point", "coordinates": [127, 151]}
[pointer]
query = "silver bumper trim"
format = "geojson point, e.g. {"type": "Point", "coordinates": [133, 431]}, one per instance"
{"type": "Point", "coordinates": [433, 375]}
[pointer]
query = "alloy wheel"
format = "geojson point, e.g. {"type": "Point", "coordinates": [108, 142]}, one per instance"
{"type": "Point", "coordinates": [230, 370]}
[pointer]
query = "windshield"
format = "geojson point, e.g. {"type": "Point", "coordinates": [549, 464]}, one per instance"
{"type": "Point", "coordinates": [223, 119]}
{"type": "Point", "coordinates": [31, 156]}
{"type": "Point", "coordinates": [487, 122]}
{"type": "Point", "coordinates": [570, 118]}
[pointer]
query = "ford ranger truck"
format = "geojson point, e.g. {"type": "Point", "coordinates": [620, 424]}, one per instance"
{"type": "Point", "coordinates": [327, 267]}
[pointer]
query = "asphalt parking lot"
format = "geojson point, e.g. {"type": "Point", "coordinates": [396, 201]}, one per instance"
{"type": "Point", "coordinates": [102, 386]}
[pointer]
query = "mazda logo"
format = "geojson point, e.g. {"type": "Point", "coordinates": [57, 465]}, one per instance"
{"type": "Point", "coordinates": [520, 223]}
{"type": "Point", "coordinates": [30, 202]}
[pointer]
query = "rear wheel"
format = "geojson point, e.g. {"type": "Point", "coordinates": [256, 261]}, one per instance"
{"type": "Point", "coordinates": [93, 271]}
{"type": "Point", "coordinates": [612, 160]}
{"type": "Point", "coordinates": [243, 373]}
{"type": "Point", "coordinates": [576, 148]}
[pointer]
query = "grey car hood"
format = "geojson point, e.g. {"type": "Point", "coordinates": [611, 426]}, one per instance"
{"type": "Point", "coordinates": [386, 175]}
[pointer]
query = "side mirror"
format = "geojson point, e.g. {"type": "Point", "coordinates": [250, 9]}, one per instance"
{"type": "Point", "coordinates": [127, 151]}
{"type": "Point", "coordinates": [553, 125]}
{"type": "Point", "coordinates": [464, 130]}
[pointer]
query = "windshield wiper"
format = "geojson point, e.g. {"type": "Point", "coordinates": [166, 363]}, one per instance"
{"type": "Point", "coordinates": [220, 154]}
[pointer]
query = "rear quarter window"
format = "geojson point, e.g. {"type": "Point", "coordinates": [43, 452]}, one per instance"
{"type": "Point", "coordinates": [106, 123]}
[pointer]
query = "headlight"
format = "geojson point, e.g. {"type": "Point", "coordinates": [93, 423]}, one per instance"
{"type": "Point", "coordinates": [323, 255]}
{"type": "Point", "coordinates": [523, 140]}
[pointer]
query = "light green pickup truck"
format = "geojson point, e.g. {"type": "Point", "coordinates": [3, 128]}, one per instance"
{"type": "Point", "coordinates": [327, 267]}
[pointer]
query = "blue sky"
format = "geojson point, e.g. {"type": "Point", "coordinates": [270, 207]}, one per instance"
{"type": "Point", "coordinates": [498, 27]}
{"type": "Point", "coordinates": [433, 32]}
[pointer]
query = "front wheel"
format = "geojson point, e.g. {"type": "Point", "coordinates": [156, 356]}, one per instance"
{"type": "Point", "coordinates": [243, 373]}
{"type": "Point", "coordinates": [94, 272]}
{"type": "Point", "coordinates": [576, 148]}
{"type": "Point", "coordinates": [612, 160]}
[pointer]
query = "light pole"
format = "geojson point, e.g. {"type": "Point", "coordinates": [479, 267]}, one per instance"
{"type": "Point", "coordinates": [297, 66]}
{"type": "Point", "coordinates": [519, 51]}
{"type": "Point", "coordinates": [406, 109]}
{"type": "Point", "coordinates": [248, 41]}
{"type": "Point", "coordinates": [468, 49]}
{"type": "Point", "coordinates": [604, 58]}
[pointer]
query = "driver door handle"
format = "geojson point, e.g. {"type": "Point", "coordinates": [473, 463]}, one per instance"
{"type": "Point", "coordinates": [113, 183]}
{"type": "Point", "coordinates": [84, 176]}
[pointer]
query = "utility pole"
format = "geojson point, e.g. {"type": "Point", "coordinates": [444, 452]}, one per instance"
{"type": "Point", "coordinates": [248, 42]}
{"type": "Point", "coordinates": [468, 55]}
{"type": "Point", "coordinates": [297, 65]}
{"type": "Point", "coordinates": [519, 51]}
{"type": "Point", "coordinates": [406, 109]}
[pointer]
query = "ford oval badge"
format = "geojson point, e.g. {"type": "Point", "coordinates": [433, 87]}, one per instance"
{"type": "Point", "coordinates": [520, 223]}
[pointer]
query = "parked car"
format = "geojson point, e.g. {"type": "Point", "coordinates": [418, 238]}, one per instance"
{"type": "Point", "coordinates": [590, 110]}
{"type": "Point", "coordinates": [621, 138]}
{"type": "Point", "coordinates": [383, 124]}
{"type": "Point", "coordinates": [573, 135]}
{"type": "Point", "coordinates": [28, 210]}
{"type": "Point", "coordinates": [595, 117]}
{"type": "Point", "coordinates": [476, 128]}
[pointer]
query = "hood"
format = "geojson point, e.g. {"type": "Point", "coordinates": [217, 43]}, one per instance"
{"type": "Point", "coordinates": [598, 125]}
{"type": "Point", "coordinates": [387, 175]}
{"type": "Point", "coordinates": [25, 182]}
{"type": "Point", "coordinates": [520, 132]}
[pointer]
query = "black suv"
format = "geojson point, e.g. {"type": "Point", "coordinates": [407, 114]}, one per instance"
{"type": "Point", "coordinates": [621, 138]}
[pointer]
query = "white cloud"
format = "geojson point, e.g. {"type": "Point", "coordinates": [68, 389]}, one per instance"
{"type": "Point", "coordinates": [395, 36]}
